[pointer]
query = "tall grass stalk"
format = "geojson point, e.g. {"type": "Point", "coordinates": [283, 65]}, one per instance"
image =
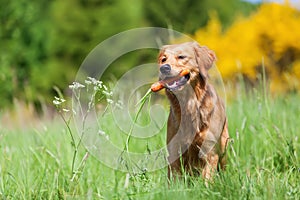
{"type": "Point", "coordinates": [141, 104]}
{"type": "Point", "coordinates": [264, 85]}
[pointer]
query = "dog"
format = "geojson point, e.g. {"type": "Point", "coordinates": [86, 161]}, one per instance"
{"type": "Point", "coordinates": [197, 132]}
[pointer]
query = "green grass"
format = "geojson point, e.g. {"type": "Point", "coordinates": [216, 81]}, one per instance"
{"type": "Point", "coordinates": [263, 161]}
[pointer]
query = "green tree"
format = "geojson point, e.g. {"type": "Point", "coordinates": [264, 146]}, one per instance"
{"type": "Point", "coordinates": [44, 42]}
{"type": "Point", "coordinates": [189, 15]}
{"type": "Point", "coordinates": [23, 45]}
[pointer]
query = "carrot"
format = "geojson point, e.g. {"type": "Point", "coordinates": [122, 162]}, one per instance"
{"type": "Point", "coordinates": [155, 87]}
{"type": "Point", "coordinates": [184, 72]}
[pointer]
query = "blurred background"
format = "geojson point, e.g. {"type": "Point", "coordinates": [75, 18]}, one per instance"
{"type": "Point", "coordinates": [43, 43]}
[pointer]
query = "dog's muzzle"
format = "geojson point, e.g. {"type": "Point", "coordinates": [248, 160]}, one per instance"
{"type": "Point", "coordinates": [172, 79]}
{"type": "Point", "coordinates": [177, 84]}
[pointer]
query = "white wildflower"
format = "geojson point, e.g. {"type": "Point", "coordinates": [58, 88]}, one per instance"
{"type": "Point", "coordinates": [99, 84]}
{"type": "Point", "coordinates": [88, 82]}
{"type": "Point", "coordinates": [76, 85]}
{"type": "Point", "coordinates": [56, 102]}
{"type": "Point", "coordinates": [107, 93]}
{"type": "Point", "coordinates": [110, 101]}
{"type": "Point", "coordinates": [92, 81]}
{"type": "Point", "coordinates": [96, 88]}
{"type": "Point", "coordinates": [65, 110]}
{"type": "Point", "coordinates": [104, 86]}
{"type": "Point", "coordinates": [95, 82]}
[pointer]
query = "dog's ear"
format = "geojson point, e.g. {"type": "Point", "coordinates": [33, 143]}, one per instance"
{"type": "Point", "coordinates": [204, 58]}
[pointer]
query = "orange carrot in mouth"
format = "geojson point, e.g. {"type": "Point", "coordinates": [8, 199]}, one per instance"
{"type": "Point", "coordinates": [184, 72]}
{"type": "Point", "coordinates": [155, 87]}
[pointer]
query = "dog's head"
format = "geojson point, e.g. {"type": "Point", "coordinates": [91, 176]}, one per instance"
{"type": "Point", "coordinates": [175, 58]}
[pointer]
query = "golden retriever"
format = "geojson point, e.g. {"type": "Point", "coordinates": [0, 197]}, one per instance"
{"type": "Point", "coordinates": [197, 131]}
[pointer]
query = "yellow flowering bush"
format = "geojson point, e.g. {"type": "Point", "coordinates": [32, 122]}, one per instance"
{"type": "Point", "coordinates": [269, 37]}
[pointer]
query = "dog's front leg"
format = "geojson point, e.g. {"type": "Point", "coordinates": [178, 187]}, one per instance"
{"type": "Point", "coordinates": [174, 170]}
{"type": "Point", "coordinates": [211, 165]}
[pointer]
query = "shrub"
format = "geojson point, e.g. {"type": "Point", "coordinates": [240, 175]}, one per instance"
{"type": "Point", "coordinates": [269, 37]}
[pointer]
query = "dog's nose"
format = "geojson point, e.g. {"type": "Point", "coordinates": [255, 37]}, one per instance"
{"type": "Point", "coordinates": [165, 69]}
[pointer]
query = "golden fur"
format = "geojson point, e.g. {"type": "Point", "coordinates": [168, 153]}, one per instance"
{"type": "Point", "coordinates": [197, 126]}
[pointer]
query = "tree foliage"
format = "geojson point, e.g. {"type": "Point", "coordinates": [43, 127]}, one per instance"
{"type": "Point", "coordinates": [189, 15]}
{"type": "Point", "coordinates": [23, 46]}
{"type": "Point", "coordinates": [43, 43]}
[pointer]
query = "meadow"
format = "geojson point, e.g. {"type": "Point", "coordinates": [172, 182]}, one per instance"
{"type": "Point", "coordinates": [39, 58]}
{"type": "Point", "coordinates": [263, 160]}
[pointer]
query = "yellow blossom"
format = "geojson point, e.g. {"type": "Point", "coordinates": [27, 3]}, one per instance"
{"type": "Point", "coordinates": [271, 34]}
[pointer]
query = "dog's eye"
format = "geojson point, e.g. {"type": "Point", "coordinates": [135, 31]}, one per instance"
{"type": "Point", "coordinates": [164, 59]}
{"type": "Point", "coordinates": [181, 57]}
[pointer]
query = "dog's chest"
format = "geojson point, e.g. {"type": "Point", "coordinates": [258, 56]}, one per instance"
{"type": "Point", "coordinates": [190, 120]}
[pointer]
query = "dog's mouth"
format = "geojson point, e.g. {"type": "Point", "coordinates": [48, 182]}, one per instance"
{"type": "Point", "coordinates": [176, 83]}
